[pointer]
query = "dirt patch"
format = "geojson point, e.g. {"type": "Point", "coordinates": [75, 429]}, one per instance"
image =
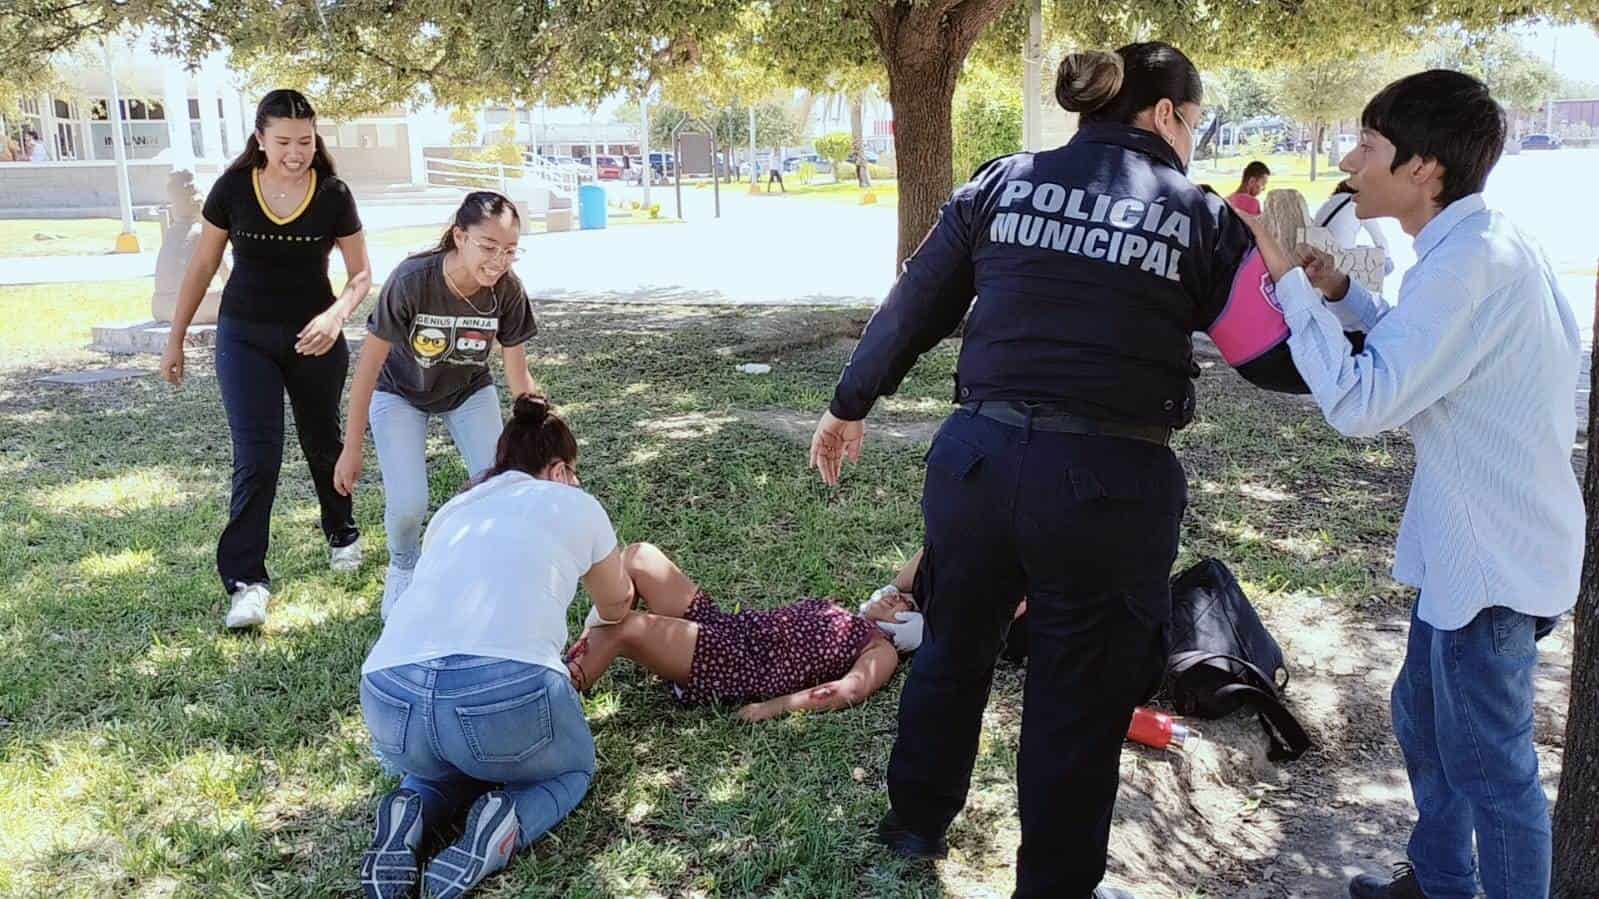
{"type": "Point", "coordinates": [779, 334]}
{"type": "Point", "coordinates": [799, 426]}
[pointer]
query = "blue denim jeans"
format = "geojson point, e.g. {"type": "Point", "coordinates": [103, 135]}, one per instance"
{"type": "Point", "coordinates": [400, 434]}
{"type": "Point", "coordinates": [1462, 712]}
{"type": "Point", "coordinates": [463, 725]}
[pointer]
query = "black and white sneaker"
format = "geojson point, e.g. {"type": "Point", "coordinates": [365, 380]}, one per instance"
{"type": "Point", "coordinates": [388, 869]}
{"type": "Point", "coordinates": [486, 846]}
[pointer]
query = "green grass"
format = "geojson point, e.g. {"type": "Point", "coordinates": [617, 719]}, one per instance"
{"type": "Point", "coordinates": [71, 237]}
{"type": "Point", "coordinates": [845, 191]}
{"type": "Point", "coordinates": [50, 324]}
{"type": "Point", "coordinates": [1287, 172]}
{"type": "Point", "coordinates": [144, 751]}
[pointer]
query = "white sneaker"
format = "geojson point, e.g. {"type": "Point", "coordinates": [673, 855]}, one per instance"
{"type": "Point", "coordinates": [395, 584]}
{"type": "Point", "coordinates": [345, 558]}
{"type": "Point", "coordinates": [249, 606]}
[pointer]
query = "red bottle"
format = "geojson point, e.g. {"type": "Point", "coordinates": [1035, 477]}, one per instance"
{"type": "Point", "coordinates": [1157, 729]}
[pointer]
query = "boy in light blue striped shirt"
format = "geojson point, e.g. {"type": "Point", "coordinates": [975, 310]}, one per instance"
{"type": "Point", "coordinates": [1479, 361]}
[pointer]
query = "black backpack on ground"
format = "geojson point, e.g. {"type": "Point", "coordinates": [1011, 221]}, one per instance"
{"type": "Point", "coordinates": [1220, 658]}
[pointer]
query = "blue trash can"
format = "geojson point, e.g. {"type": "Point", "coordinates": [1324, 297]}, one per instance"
{"type": "Point", "coordinates": [590, 207]}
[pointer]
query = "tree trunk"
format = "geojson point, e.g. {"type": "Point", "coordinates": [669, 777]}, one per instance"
{"type": "Point", "coordinates": [863, 177]}
{"type": "Point", "coordinates": [923, 46]}
{"type": "Point", "coordinates": [1315, 149]}
{"type": "Point", "coordinates": [1577, 813]}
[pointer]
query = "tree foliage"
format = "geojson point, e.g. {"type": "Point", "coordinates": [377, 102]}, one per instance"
{"type": "Point", "coordinates": [1519, 80]}
{"type": "Point", "coordinates": [834, 147]}
{"type": "Point", "coordinates": [987, 118]}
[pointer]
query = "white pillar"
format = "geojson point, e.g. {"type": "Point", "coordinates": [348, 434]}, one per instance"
{"type": "Point", "coordinates": [648, 174]}
{"type": "Point", "coordinates": [210, 122]}
{"type": "Point", "coordinates": [86, 127]}
{"type": "Point", "coordinates": [175, 98]}
{"type": "Point", "coordinates": [47, 125]}
{"type": "Point", "coordinates": [233, 122]}
{"type": "Point", "coordinates": [413, 145]}
{"type": "Point", "coordinates": [594, 158]}
{"type": "Point", "coordinates": [1032, 92]}
{"type": "Point", "coordinates": [127, 242]}
{"type": "Point", "coordinates": [755, 176]}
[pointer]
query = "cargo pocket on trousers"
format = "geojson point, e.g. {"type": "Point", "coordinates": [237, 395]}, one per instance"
{"type": "Point", "coordinates": [508, 731]}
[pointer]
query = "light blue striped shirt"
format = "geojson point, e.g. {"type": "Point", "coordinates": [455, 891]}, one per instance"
{"type": "Point", "coordinates": [1479, 361]}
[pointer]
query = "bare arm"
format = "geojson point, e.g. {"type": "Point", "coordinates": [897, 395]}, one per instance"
{"type": "Point", "coordinates": [610, 587]}
{"type": "Point", "coordinates": [907, 573]}
{"type": "Point", "coordinates": [322, 332]}
{"type": "Point", "coordinates": [358, 267]}
{"type": "Point", "coordinates": [517, 378]}
{"type": "Point", "coordinates": [197, 277]}
{"type": "Point", "coordinates": [871, 671]}
{"type": "Point", "coordinates": [347, 471]}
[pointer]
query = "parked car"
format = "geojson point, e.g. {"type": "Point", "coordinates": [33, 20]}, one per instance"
{"type": "Point", "coordinates": [871, 158]}
{"type": "Point", "coordinates": [571, 166]}
{"type": "Point", "coordinates": [606, 168]}
{"type": "Point", "coordinates": [1540, 142]}
{"type": "Point", "coordinates": [792, 163]}
{"type": "Point", "coordinates": [665, 164]}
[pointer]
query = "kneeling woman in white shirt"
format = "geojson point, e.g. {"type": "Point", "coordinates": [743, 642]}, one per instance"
{"type": "Point", "coordinates": [466, 691]}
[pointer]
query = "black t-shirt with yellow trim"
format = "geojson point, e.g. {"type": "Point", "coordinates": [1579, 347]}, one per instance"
{"type": "Point", "coordinates": [280, 265]}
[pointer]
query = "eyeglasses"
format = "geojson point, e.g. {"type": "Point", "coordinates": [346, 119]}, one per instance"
{"type": "Point", "coordinates": [498, 252]}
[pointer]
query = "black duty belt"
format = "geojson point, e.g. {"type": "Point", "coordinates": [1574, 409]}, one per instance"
{"type": "Point", "coordinates": [1049, 418]}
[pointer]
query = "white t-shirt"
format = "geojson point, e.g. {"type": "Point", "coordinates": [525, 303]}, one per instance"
{"type": "Point", "coordinates": [1345, 226]}
{"type": "Point", "coordinates": [500, 565]}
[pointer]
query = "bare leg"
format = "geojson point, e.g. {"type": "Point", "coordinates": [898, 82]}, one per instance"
{"type": "Point", "coordinates": [663, 646]}
{"type": "Point", "coordinates": [665, 588]}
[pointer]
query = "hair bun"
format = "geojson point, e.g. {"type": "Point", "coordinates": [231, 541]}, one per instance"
{"type": "Point", "coordinates": [531, 409]}
{"type": "Point", "coordinates": [1089, 80]}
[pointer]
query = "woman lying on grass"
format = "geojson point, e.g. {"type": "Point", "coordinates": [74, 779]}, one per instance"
{"type": "Point", "coordinates": [810, 655]}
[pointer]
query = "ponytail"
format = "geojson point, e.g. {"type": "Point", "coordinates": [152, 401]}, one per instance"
{"type": "Point", "coordinates": [282, 104]}
{"type": "Point", "coordinates": [476, 207]}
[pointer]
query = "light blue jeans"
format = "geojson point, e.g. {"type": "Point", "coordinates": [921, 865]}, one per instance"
{"type": "Point", "coordinates": [463, 725]}
{"type": "Point", "coordinates": [400, 432]}
{"type": "Point", "coordinates": [1462, 711]}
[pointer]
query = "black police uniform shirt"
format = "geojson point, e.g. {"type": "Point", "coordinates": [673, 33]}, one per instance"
{"type": "Point", "coordinates": [280, 265]}
{"type": "Point", "coordinates": [438, 343]}
{"type": "Point", "coordinates": [1091, 266]}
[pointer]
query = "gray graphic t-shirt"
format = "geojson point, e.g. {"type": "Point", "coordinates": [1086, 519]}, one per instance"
{"type": "Point", "coordinates": [440, 344]}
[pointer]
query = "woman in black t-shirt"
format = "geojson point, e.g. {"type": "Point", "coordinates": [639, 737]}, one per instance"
{"type": "Point", "coordinates": [280, 329]}
{"type": "Point", "coordinates": [427, 355]}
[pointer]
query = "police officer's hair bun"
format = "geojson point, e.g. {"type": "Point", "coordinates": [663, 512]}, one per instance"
{"type": "Point", "coordinates": [1088, 80]}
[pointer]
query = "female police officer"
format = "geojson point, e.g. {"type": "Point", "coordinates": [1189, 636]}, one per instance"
{"type": "Point", "coordinates": [1091, 265]}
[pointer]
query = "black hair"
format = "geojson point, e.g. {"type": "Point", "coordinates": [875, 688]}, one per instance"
{"type": "Point", "coordinates": [282, 103]}
{"type": "Point", "coordinates": [476, 207]}
{"type": "Point", "coordinates": [1443, 115]}
{"type": "Point", "coordinates": [1116, 87]}
{"type": "Point", "coordinates": [1256, 169]}
{"type": "Point", "coordinates": [1342, 187]}
{"type": "Point", "coordinates": [533, 438]}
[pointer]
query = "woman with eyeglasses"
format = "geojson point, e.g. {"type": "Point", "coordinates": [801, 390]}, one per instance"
{"type": "Point", "coordinates": [426, 356]}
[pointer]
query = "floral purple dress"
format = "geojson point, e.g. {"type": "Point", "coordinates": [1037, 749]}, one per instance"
{"type": "Point", "coordinates": [756, 655]}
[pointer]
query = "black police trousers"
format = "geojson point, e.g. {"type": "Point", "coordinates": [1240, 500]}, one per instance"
{"type": "Point", "coordinates": [1086, 528]}
{"type": "Point", "coordinates": [256, 365]}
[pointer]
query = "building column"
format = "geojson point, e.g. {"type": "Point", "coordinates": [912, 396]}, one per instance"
{"type": "Point", "coordinates": [175, 101]}
{"type": "Point", "coordinates": [211, 147]}
{"type": "Point", "coordinates": [1032, 93]}
{"type": "Point", "coordinates": [86, 128]}
{"type": "Point", "coordinates": [47, 125]}
{"type": "Point", "coordinates": [233, 123]}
